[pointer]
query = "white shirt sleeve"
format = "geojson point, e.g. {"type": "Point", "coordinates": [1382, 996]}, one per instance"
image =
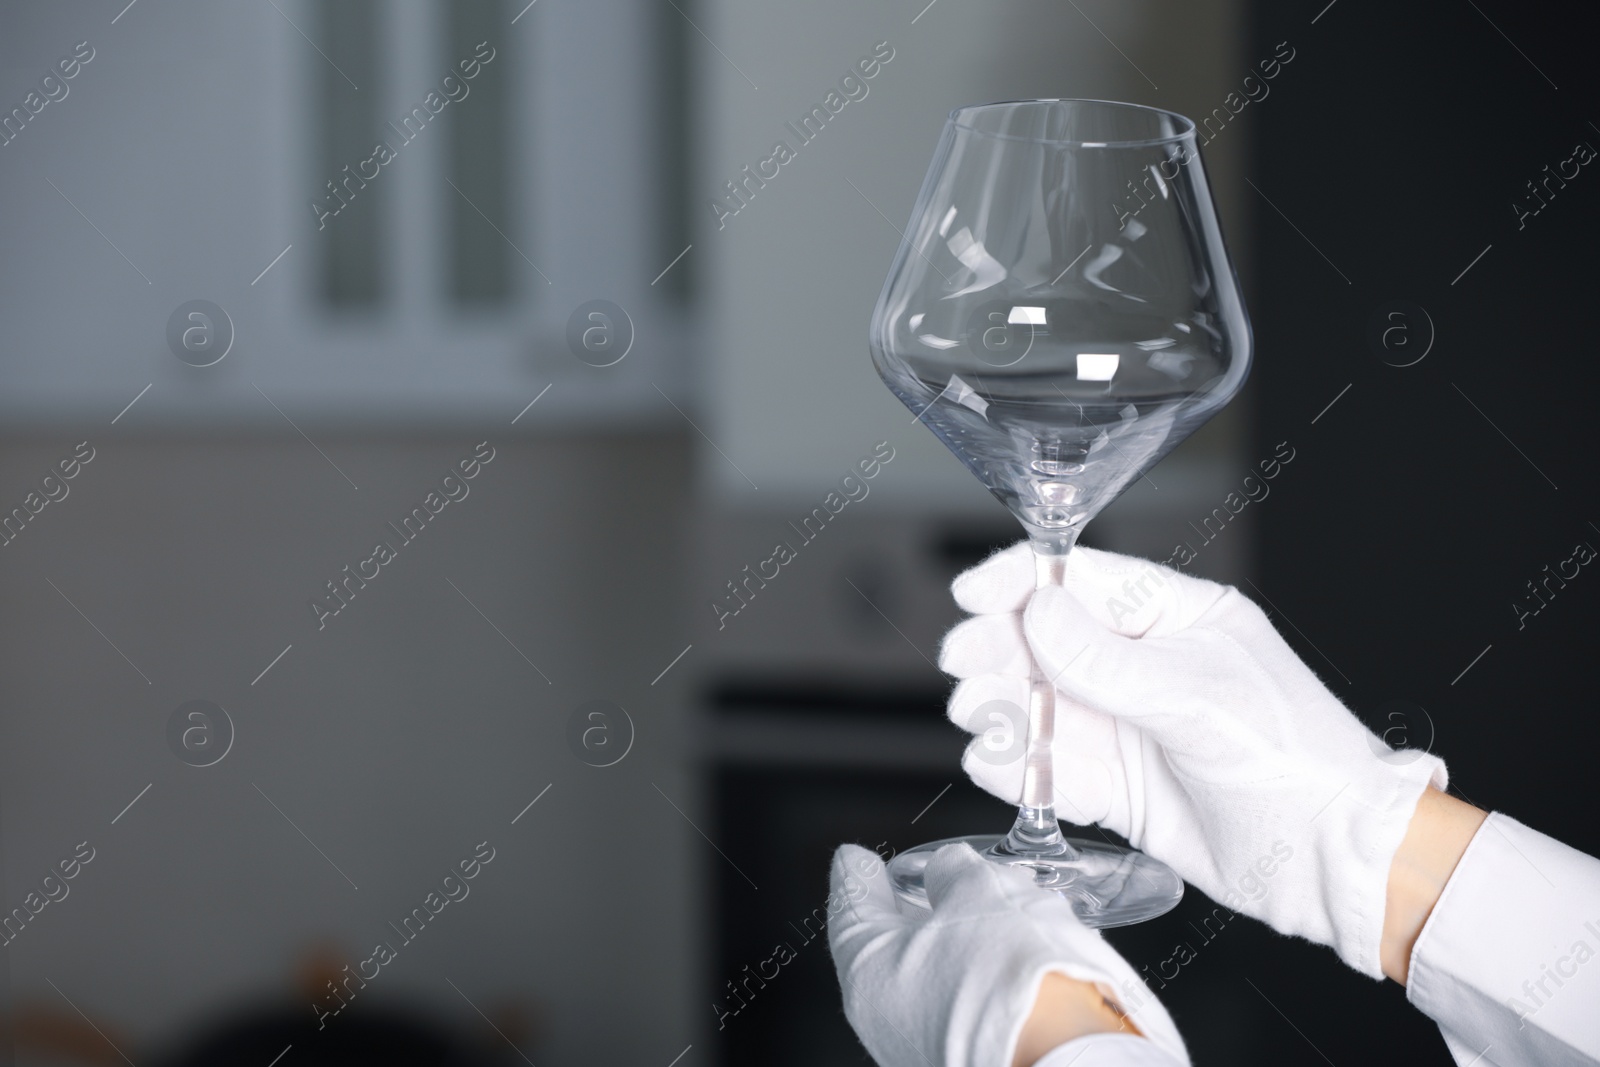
{"type": "Point", "coordinates": [1508, 964]}
{"type": "Point", "coordinates": [1108, 1050]}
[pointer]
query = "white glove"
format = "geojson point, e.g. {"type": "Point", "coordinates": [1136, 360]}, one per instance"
{"type": "Point", "coordinates": [952, 988]}
{"type": "Point", "coordinates": [1187, 725]}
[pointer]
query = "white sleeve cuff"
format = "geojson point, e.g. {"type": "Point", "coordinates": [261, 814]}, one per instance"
{"type": "Point", "coordinates": [1506, 964]}
{"type": "Point", "coordinates": [1108, 1050]}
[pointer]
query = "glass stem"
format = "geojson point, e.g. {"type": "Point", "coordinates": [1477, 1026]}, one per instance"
{"type": "Point", "coordinates": [1036, 832]}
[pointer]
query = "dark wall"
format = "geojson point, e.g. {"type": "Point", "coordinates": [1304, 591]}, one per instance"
{"type": "Point", "coordinates": [1400, 543]}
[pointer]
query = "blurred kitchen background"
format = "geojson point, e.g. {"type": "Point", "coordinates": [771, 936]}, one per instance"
{"type": "Point", "coordinates": [540, 675]}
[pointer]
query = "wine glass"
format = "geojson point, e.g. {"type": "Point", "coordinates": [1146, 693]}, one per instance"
{"type": "Point", "coordinates": [1062, 313]}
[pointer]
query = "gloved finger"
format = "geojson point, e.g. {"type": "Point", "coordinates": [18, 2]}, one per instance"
{"type": "Point", "coordinates": [986, 644]}
{"type": "Point", "coordinates": [994, 706]}
{"type": "Point", "coordinates": [859, 889]}
{"type": "Point", "coordinates": [1091, 665]}
{"type": "Point", "coordinates": [1000, 584]}
{"type": "Point", "coordinates": [963, 884]}
{"type": "Point", "coordinates": [1137, 597]}
{"type": "Point", "coordinates": [948, 866]}
{"type": "Point", "coordinates": [1153, 684]}
{"type": "Point", "coordinates": [1089, 770]}
{"type": "Point", "coordinates": [1127, 594]}
{"type": "Point", "coordinates": [1085, 786]}
{"type": "Point", "coordinates": [1002, 780]}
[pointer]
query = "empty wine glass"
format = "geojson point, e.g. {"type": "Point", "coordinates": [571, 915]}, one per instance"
{"type": "Point", "coordinates": [1062, 313]}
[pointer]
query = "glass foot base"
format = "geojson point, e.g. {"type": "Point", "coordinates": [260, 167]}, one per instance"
{"type": "Point", "coordinates": [1107, 885]}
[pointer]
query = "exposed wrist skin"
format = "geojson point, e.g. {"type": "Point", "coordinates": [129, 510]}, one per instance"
{"type": "Point", "coordinates": [1065, 1009]}
{"type": "Point", "coordinates": [1438, 834]}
